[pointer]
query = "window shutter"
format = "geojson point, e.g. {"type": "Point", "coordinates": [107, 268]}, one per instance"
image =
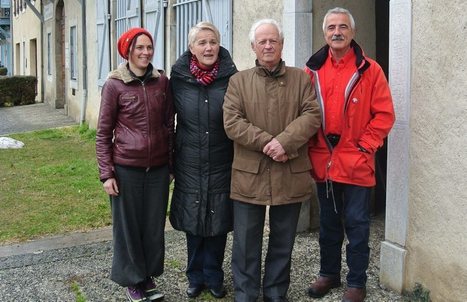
{"type": "Point", "coordinates": [190, 12]}
{"type": "Point", "coordinates": [128, 15]}
{"type": "Point", "coordinates": [219, 13]}
{"type": "Point", "coordinates": [154, 23]}
{"type": "Point", "coordinates": [103, 41]}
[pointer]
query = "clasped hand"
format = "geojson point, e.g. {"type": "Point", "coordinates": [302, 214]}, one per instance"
{"type": "Point", "coordinates": [274, 150]}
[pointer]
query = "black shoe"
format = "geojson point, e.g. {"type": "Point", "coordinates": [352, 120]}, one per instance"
{"type": "Point", "coordinates": [194, 290]}
{"type": "Point", "coordinates": [218, 292]}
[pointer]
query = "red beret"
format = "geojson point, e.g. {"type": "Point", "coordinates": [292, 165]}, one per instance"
{"type": "Point", "coordinates": [125, 40]}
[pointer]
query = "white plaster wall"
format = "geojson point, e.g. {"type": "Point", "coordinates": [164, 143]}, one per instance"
{"type": "Point", "coordinates": [49, 86]}
{"type": "Point", "coordinates": [73, 18]}
{"type": "Point", "coordinates": [245, 13]}
{"type": "Point", "coordinates": [50, 91]}
{"type": "Point", "coordinates": [94, 96]}
{"type": "Point", "coordinates": [363, 12]}
{"type": "Point", "coordinates": [437, 240]}
{"type": "Point", "coordinates": [27, 26]}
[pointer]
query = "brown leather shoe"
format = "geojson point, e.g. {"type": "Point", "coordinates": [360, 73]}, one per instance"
{"type": "Point", "coordinates": [353, 294]}
{"type": "Point", "coordinates": [322, 286]}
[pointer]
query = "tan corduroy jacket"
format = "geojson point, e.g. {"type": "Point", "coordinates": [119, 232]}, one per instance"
{"type": "Point", "coordinates": [258, 107]}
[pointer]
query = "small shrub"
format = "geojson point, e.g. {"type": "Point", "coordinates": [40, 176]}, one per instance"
{"type": "Point", "coordinates": [3, 71]}
{"type": "Point", "coordinates": [17, 90]}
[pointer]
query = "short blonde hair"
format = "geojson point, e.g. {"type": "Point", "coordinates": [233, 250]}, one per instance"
{"type": "Point", "coordinates": [203, 25]}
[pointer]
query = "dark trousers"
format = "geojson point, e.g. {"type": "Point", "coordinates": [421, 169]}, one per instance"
{"type": "Point", "coordinates": [344, 210]}
{"type": "Point", "coordinates": [138, 216]}
{"type": "Point", "coordinates": [247, 249]}
{"type": "Point", "coordinates": [205, 259]}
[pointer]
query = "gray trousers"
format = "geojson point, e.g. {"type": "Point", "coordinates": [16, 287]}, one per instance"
{"type": "Point", "coordinates": [247, 250]}
{"type": "Point", "coordinates": [138, 216]}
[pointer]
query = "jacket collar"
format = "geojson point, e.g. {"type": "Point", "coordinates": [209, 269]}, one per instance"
{"type": "Point", "coordinates": [279, 71]}
{"type": "Point", "coordinates": [317, 60]}
{"type": "Point", "coordinates": [123, 73]}
{"type": "Point", "coordinates": [181, 68]}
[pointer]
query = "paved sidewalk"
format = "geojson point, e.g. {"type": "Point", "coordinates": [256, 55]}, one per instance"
{"type": "Point", "coordinates": [32, 117]}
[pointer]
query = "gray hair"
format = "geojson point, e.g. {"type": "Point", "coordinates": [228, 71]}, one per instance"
{"type": "Point", "coordinates": [254, 27]}
{"type": "Point", "coordinates": [339, 10]}
{"type": "Point", "coordinates": [203, 25]}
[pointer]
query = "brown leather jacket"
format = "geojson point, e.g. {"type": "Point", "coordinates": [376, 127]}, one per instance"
{"type": "Point", "coordinates": [136, 122]}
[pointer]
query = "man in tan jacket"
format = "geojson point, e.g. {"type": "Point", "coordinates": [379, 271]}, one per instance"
{"type": "Point", "coordinates": [270, 112]}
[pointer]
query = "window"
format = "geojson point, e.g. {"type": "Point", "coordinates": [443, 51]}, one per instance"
{"type": "Point", "coordinates": [73, 54]}
{"type": "Point", "coordinates": [49, 54]}
{"type": "Point", "coordinates": [25, 60]}
{"type": "Point", "coordinates": [190, 12]}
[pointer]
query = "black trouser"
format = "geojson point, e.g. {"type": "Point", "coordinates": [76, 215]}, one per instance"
{"type": "Point", "coordinates": [138, 216]}
{"type": "Point", "coordinates": [205, 259]}
{"type": "Point", "coordinates": [247, 249]}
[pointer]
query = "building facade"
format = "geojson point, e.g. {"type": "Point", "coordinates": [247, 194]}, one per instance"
{"type": "Point", "coordinates": [70, 46]}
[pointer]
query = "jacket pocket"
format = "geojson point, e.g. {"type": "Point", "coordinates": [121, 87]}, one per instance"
{"type": "Point", "coordinates": [128, 102]}
{"type": "Point", "coordinates": [299, 182]}
{"type": "Point", "coordinates": [184, 211]}
{"type": "Point", "coordinates": [247, 165]}
{"type": "Point", "coordinates": [247, 178]}
{"type": "Point", "coordinates": [354, 165]}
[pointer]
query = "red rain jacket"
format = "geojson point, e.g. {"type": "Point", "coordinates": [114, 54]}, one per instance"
{"type": "Point", "coordinates": [368, 118]}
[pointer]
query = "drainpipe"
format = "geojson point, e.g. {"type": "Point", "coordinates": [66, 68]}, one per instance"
{"type": "Point", "coordinates": [12, 66]}
{"type": "Point", "coordinates": [84, 98]}
{"type": "Point", "coordinates": [42, 57]}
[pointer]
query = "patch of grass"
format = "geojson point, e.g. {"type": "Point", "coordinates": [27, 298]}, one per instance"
{"type": "Point", "coordinates": [51, 185]}
{"type": "Point", "coordinates": [419, 294]}
{"type": "Point", "coordinates": [174, 263]}
{"type": "Point", "coordinates": [86, 132]}
{"type": "Point", "coordinates": [206, 296]}
{"type": "Point", "coordinates": [77, 291]}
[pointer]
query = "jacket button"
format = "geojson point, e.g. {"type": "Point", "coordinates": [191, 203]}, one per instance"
{"type": "Point", "coordinates": [196, 201]}
{"type": "Point", "coordinates": [205, 101]}
{"type": "Point", "coordinates": [212, 211]}
{"type": "Point", "coordinates": [207, 132]}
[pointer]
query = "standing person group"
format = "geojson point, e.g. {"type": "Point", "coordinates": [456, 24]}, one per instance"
{"type": "Point", "coordinates": [201, 206]}
{"type": "Point", "coordinates": [245, 142]}
{"type": "Point", "coordinates": [358, 114]}
{"type": "Point", "coordinates": [134, 154]}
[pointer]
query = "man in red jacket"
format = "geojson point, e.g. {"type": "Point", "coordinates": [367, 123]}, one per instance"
{"type": "Point", "coordinates": [358, 113]}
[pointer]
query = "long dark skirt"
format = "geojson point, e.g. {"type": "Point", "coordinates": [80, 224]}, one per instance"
{"type": "Point", "coordinates": [138, 215]}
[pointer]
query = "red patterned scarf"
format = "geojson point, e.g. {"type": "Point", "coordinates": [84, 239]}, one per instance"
{"type": "Point", "coordinates": [204, 77]}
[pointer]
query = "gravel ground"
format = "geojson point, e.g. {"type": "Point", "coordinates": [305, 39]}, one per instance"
{"type": "Point", "coordinates": [50, 275]}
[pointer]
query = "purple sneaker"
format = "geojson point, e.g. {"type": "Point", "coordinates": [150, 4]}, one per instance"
{"type": "Point", "coordinates": [135, 294]}
{"type": "Point", "coordinates": [150, 290]}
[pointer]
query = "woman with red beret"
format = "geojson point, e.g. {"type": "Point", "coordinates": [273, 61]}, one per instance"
{"type": "Point", "coordinates": [134, 152]}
